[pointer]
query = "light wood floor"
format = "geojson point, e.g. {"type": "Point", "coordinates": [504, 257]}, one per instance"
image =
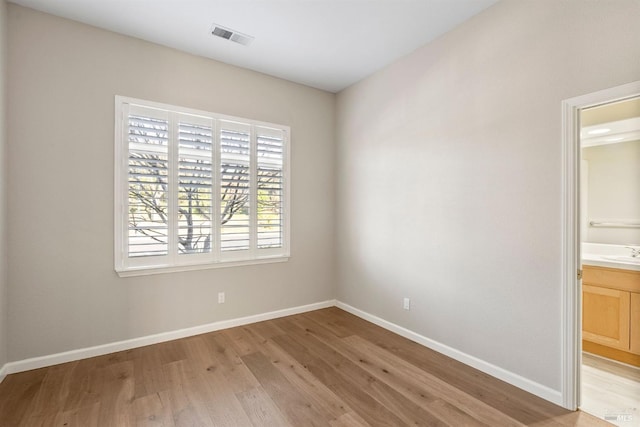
{"type": "Point", "coordinates": [611, 390]}
{"type": "Point", "coordinates": [323, 368]}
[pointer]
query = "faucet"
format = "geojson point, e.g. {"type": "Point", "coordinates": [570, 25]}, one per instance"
{"type": "Point", "coordinates": [635, 252]}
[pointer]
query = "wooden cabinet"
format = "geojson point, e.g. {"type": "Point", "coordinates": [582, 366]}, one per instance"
{"type": "Point", "coordinates": [611, 313]}
{"type": "Point", "coordinates": [635, 323]}
{"type": "Point", "coordinates": [605, 316]}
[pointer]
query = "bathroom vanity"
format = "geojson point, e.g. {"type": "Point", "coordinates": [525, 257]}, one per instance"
{"type": "Point", "coordinates": [611, 310]}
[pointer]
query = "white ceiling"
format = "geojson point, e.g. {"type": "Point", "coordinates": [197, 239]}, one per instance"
{"type": "Point", "coordinates": [327, 44]}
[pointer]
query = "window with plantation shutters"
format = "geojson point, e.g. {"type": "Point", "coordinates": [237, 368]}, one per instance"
{"type": "Point", "coordinates": [197, 190]}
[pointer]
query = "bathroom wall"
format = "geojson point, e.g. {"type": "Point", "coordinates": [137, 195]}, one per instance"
{"type": "Point", "coordinates": [613, 191]}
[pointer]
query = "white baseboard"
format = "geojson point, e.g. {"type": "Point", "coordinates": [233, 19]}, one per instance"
{"type": "Point", "coordinates": [99, 350]}
{"type": "Point", "coordinates": [533, 387]}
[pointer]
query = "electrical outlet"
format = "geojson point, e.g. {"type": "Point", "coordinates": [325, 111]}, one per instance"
{"type": "Point", "coordinates": [406, 304]}
{"type": "Point", "coordinates": [220, 297]}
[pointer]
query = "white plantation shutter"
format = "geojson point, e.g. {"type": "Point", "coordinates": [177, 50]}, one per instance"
{"type": "Point", "coordinates": [148, 169]}
{"type": "Point", "coordinates": [195, 186]}
{"type": "Point", "coordinates": [195, 189]}
{"type": "Point", "coordinates": [235, 183]}
{"type": "Point", "coordinates": [270, 187]}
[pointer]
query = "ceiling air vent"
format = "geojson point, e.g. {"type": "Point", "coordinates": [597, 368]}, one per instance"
{"type": "Point", "coordinates": [229, 34]}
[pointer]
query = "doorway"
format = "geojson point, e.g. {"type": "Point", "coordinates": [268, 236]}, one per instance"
{"type": "Point", "coordinates": [576, 227]}
{"type": "Point", "coordinates": [610, 247]}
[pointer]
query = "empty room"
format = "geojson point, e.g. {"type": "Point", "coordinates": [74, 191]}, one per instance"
{"type": "Point", "coordinates": [319, 213]}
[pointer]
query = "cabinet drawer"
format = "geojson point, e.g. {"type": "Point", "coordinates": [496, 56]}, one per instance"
{"type": "Point", "coordinates": [628, 280]}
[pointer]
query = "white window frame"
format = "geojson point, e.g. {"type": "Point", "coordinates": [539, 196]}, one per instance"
{"type": "Point", "coordinates": [135, 266]}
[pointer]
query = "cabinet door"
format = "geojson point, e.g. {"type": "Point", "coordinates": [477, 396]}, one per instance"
{"type": "Point", "coordinates": [635, 323]}
{"type": "Point", "coordinates": [605, 316]}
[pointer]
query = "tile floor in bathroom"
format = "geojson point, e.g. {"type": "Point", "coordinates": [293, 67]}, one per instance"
{"type": "Point", "coordinates": [611, 390]}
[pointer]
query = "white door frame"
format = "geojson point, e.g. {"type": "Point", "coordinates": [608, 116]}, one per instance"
{"type": "Point", "coordinates": [571, 259]}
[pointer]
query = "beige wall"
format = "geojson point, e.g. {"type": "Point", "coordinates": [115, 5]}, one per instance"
{"type": "Point", "coordinates": [449, 172]}
{"type": "Point", "coordinates": [4, 306]}
{"type": "Point", "coordinates": [613, 112]}
{"type": "Point", "coordinates": [613, 191]}
{"type": "Point", "coordinates": [63, 290]}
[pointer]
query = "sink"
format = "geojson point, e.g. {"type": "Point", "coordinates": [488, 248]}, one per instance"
{"type": "Point", "coordinates": [625, 259]}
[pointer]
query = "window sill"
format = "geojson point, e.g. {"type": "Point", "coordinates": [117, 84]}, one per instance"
{"type": "Point", "coordinates": [147, 271]}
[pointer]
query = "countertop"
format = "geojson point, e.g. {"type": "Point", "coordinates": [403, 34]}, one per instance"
{"type": "Point", "coordinates": [600, 261]}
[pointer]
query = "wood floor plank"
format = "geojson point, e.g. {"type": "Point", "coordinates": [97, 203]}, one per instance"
{"type": "Point", "coordinates": [266, 329]}
{"type": "Point", "coordinates": [149, 372]}
{"type": "Point", "coordinates": [17, 393]}
{"type": "Point", "coordinates": [326, 368]}
{"type": "Point", "coordinates": [238, 376]}
{"type": "Point", "coordinates": [449, 412]}
{"type": "Point", "coordinates": [179, 406]}
{"type": "Point", "coordinates": [298, 411]}
{"type": "Point", "coordinates": [304, 381]}
{"type": "Point", "coordinates": [367, 407]}
{"type": "Point", "coordinates": [86, 416]}
{"type": "Point", "coordinates": [117, 395]}
{"type": "Point", "coordinates": [240, 342]}
{"type": "Point", "coordinates": [82, 386]}
{"type": "Point", "coordinates": [149, 411]}
{"type": "Point", "coordinates": [225, 408]}
{"type": "Point", "coordinates": [53, 391]}
{"type": "Point", "coordinates": [329, 319]}
{"type": "Point", "coordinates": [205, 387]}
{"type": "Point", "coordinates": [408, 411]}
{"type": "Point", "coordinates": [261, 410]}
{"type": "Point", "coordinates": [350, 419]}
{"type": "Point", "coordinates": [215, 396]}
